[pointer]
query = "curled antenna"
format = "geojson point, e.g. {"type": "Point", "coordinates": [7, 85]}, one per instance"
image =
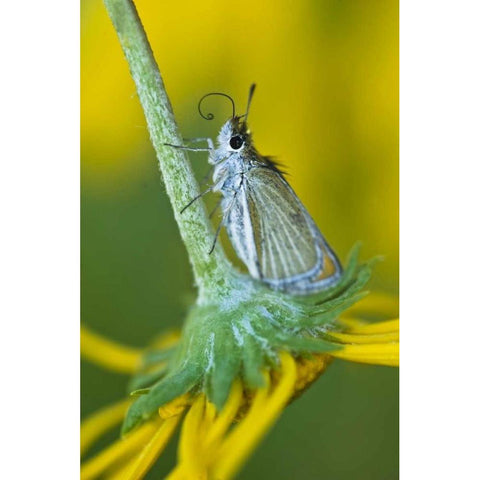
{"type": "Point", "coordinates": [210, 116]}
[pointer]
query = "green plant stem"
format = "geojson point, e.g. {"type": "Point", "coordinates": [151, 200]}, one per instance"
{"type": "Point", "coordinates": [212, 273]}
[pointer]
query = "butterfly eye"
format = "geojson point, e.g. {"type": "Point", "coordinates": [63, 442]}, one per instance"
{"type": "Point", "coordinates": [236, 142]}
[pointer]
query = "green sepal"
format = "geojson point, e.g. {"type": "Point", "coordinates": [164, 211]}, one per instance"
{"type": "Point", "coordinates": [153, 357]}
{"type": "Point", "coordinates": [240, 335]}
{"type": "Point", "coordinates": [317, 319]}
{"type": "Point", "coordinates": [299, 344]}
{"type": "Point", "coordinates": [173, 386]}
{"type": "Point", "coordinates": [144, 380]}
{"type": "Point", "coordinates": [139, 392]}
{"type": "Point", "coordinates": [223, 369]}
{"type": "Point", "coordinates": [349, 292]}
{"type": "Point", "coordinates": [253, 362]}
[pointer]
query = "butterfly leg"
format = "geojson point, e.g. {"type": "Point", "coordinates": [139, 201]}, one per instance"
{"type": "Point", "coordinates": [225, 216]}
{"type": "Point", "coordinates": [200, 195]}
{"type": "Point", "coordinates": [201, 139]}
{"type": "Point", "coordinates": [193, 149]}
{"type": "Point", "coordinates": [188, 149]}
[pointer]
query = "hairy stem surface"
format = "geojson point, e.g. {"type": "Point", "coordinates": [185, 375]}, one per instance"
{"type": "Point", "coordinates": [213, 273]}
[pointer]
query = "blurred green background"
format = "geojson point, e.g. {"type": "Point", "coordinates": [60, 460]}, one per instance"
{"type": "Point", "coordinates": [327, 106]}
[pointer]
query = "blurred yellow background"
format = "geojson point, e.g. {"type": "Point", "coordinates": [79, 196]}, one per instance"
{"type": "Point", "coordinates": [326, 106]}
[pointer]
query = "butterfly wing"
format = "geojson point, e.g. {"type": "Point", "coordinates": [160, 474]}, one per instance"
{"type": "Point", "coordinates": [286, 249]}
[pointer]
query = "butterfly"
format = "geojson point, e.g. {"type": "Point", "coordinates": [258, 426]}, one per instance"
{"type": "Point", "coordinates": [268, 226]}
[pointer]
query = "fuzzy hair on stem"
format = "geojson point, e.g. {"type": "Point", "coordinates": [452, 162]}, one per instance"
{"type": "Point", "coordinates": [212, 272]}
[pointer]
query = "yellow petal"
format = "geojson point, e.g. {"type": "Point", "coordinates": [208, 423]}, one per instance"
{"type": "Point", "coordinates": [118, 451]}
{"type": "Point", "coordinates": [175, 407]}
{"type": "Point", "coordinates": [226, 415]}
{"type": "Point", "coordinates": [208, 416]}
{"type": "Point", "coordinates": [149, 454]}
{"type": "Point", "coordinates": [100, 422]}
{"type": "Point", "coordinates": [264, 411]}
{"type": "Point", "coordinates": [190, 459]}
{"type": "Point", "coordinates": [370, 339]}
{"type": "Point", "coordinates": [354, 325]}
{"type": "Point", "coordinates": [377, 354]}
{"type": "Point", "coordinates": [108, 354]}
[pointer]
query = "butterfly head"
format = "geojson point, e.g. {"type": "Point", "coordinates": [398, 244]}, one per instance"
{"type": "Point", "coordinates": [234, 135]}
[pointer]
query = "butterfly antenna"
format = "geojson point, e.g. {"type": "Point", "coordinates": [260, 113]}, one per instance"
{"type": "Point", "coordinates": [210, 116]}
{"type": "Point", "coordinates": [249, 101]}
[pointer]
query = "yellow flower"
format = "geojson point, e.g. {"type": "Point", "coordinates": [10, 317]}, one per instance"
{"type": "Point", "coordinates": [245, 351]}
{"type": "Point", "coordinates": [215, 444]}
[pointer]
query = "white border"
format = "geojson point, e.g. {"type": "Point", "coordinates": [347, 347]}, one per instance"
{"type": "Point", "coordinates": [39, 254]}
{"type": "Point", "coordinates": [439, 157]}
